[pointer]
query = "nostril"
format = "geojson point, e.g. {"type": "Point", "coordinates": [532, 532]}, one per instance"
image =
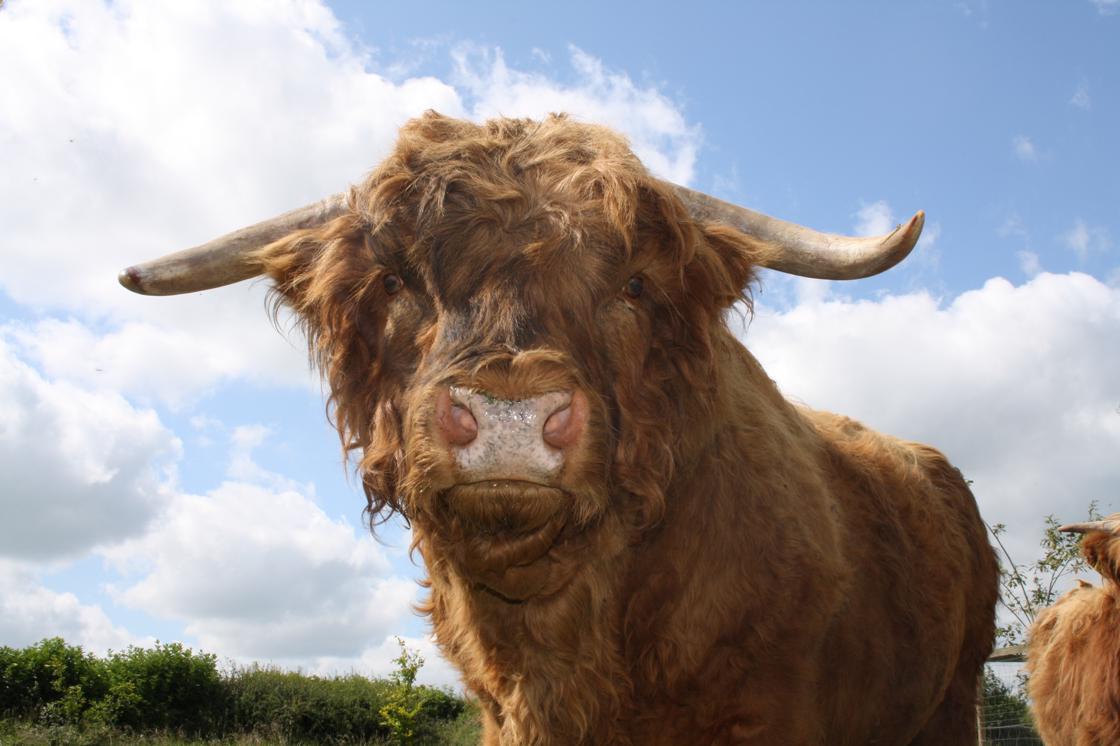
{"type": "Point", "coordinates": [564, 426]}
{"type": "Point", "coordinates": [455, 421]}
{"type": "Point", "coordinates": [557, 426]}
{"type": "Point", "coordinates": [463, 423]}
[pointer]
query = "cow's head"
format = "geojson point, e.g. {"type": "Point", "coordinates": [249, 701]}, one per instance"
{"type": "Point", "coordinates": [516, 323]}
{"type": "Point", "coordinates": [1101, 545]}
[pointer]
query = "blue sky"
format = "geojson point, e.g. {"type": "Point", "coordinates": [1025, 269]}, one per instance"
{"type": "Point", "coordinates": [167, 468]}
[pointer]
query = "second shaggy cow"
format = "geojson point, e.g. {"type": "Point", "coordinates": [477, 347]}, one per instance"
{"type": "Point", "coordinates": [1073, 656]}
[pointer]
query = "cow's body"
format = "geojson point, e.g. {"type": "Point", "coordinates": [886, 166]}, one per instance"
{"type": "Point", "coordinates": [631, 537]}
{"type": "Point", "coordinates": [812, 582]}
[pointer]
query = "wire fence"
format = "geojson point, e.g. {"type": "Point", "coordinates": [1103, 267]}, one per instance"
{"type": "Point", "coordinates": [1004, 711]}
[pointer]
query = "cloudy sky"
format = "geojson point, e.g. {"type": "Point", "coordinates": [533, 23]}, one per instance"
{"type": "Point", "coordinates": [166, 470]}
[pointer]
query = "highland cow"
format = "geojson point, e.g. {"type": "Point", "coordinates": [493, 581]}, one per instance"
{"type": "Point", "coordinates": [1073, 653]}
{"type": "Point", "coordinates": [630, 536]}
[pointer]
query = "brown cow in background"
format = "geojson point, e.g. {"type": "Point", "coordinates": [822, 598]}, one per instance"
{"type": "Point", "coordinates": [631, 536]}
{"type": "Point", "coordinates": [1073, 653]}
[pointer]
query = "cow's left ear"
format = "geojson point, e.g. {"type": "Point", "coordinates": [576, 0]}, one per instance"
{"type": "Point", "coordinates": [724, 265]}
{"type": "Point", "coordinates": [717, 262]}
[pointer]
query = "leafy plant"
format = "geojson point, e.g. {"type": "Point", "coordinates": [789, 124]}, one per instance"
{"type": "Point", "coordinates": [1026, 589]}
{"type": "Point", "coordinates": [49, 674]}
{"type": "Point", "coordinates": [164, 687]}
{"type": "Point", "coordinates": [401, 713]}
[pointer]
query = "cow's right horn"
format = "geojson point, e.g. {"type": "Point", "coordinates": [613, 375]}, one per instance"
{"type": "Point", "coordinates": [226, 259]}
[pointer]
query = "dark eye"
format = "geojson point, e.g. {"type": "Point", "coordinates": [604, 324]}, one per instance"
{"type": "Point", "coordinates": [393, 283]}
{"type": "Point", "coordinates": [634, 287]}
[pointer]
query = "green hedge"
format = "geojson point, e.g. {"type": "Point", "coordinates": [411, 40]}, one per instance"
{"type": "Point", "coordinates": [172, 689]}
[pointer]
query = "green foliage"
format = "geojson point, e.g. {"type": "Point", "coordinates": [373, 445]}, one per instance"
{"type": "Point", "coordinates": [164, 687]}
{"type": "Point", "coordinates": [463, 730]}
{"type": "Point", "coordinates": [53, 693]}
{"type": "Point", "coordinates": [293, 706]}
{"type": "Point", "coordinates": [1026, 589]}
{"type": "Point", "coordinates": [51, 680]}
{"type": "Point", "coordinates": [401, 712]}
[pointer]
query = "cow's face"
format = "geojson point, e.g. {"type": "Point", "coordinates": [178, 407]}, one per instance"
{"type": "Point", "coordinates": [515, 322]}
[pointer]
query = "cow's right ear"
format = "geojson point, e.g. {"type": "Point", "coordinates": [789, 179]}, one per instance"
{"type": "Point", "coordinates": [321, 273]}
{"type": "Point", "coordinates": [330, 277]}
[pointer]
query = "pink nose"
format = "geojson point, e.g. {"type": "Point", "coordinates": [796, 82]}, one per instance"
{"type": "Point", "coordinates": [495, 438]}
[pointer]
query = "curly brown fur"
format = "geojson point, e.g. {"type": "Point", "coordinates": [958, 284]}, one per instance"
{"type": "Point", "coordinates": [1073, 655]}
{"type": "Point", "coordinates": [713, 564]}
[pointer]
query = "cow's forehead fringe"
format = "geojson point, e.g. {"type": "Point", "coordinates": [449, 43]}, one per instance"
{"type": "Point", "coordinates": [534, 178]}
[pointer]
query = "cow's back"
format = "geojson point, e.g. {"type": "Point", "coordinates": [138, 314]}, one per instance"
{"type": "Point", "coordinates": [918, 621]}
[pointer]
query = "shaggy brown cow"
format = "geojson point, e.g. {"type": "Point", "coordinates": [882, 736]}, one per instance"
{"type": "Point", "coordinates": [1073, 655]}
{"type": "Point", "coordinates": [631, 537]}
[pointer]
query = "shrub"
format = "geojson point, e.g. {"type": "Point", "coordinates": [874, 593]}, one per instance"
{"type": "Point", "coordinates": [297, 707]}
{"type": "Point", "coordinates": [463, 730]}
{"type": "Point", "coordinates": [51, 679]}
{"type": "Point", "coordinates": [52, 693]}
{"type": "Point", "coordinates": [167, 687]}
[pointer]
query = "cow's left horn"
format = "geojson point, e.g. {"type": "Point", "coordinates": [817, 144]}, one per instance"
{"type": "Point", "coordinates": [804, 251]}
{"type": "Point", "coordinates": [227, 259]}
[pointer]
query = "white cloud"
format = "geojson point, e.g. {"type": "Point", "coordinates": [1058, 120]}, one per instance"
{"type": "Point", "coordinates": [260, 573]}
{"type": "Point", "coordinates": [1106, 7]}
{"type": "Point", "coordinates": [1084, 239]}
{"type": "Point", "coordinates": [874, 219]}
{"type": "Point", "coordinates": [244, 439]}
{"type": "Point", "coordinates": [1029, 263]}
{"type": "Point", "coordinates": [1016, 384]}
{"type": "Point", "coordinates": [1024, 148]}
{"type": "Point", "coordinates": [1081, 98]}
{"type": "Point", "coordinates": [377, 660]}
{"type": "Point", "coordinates": [80, 468]}
{"type": "Point", "coordinates": [172, 362]}
{"type": "Point", "coordinates": [658, 131]}
{"type": "Point", "coordinates": [29, 612]}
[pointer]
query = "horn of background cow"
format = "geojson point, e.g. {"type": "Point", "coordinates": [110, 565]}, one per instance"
{"type": "Point", "coordinates": [1084, 528]}
{"type": "Point", "coordinates": [226, 259]}
{"type": "Point", "coordinates": [804, 251]}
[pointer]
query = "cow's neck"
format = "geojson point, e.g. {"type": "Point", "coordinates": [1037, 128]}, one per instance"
{"type": "Point", "coordinates": [530, 656]}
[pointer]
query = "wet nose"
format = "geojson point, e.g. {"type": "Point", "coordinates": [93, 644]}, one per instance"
{"type": "Point", "coordinates": [496, 438]}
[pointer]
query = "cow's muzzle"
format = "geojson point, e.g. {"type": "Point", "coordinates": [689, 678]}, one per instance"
{"type": "Point", "coordinates": [494, 438]}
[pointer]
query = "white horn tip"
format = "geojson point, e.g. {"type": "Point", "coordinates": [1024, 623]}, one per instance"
{"type": "Point", "coordinates": [131, 279]}
{"type": "Point", "coordinates": [912, 230]}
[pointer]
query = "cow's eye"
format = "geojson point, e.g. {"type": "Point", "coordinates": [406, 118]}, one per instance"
{"type": "Point", "coordinates": [393, 283]}
{"type": "Point", "coordinates": [634, 287]}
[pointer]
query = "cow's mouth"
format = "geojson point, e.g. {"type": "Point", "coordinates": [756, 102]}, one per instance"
{"type": "Point", "coordinates": [499, 506]}
{"type": "Point", "coordinates": [510, 537]}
